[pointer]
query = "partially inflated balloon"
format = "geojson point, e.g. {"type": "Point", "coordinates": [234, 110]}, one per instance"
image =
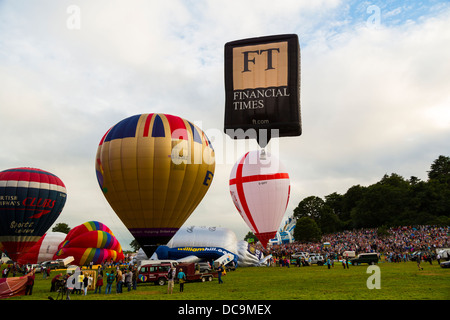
{"type": "Point", "coordinates": [30, 202]}
{"type": "Point", "coordinates": [90, 242]}
{"type": "Point", "coordinates": [154, 169]}
{"type": "Point", "coordinates": [44, 249]}
{"type": "Point", "coordinates": [259, 187]}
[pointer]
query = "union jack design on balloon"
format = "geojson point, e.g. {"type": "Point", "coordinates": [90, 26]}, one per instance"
{"type": "Point", "coordinates": [154, 169]}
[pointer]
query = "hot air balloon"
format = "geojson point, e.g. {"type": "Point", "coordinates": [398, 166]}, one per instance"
{"type": "Point", "coordinates": [44, 249]}
{"type": "Point", "coordinates": [30, 202]}
{"type": "Point", "coordinates": [262, 88]}
{"type": "Point", "coordinates": [89, 242]}
{"type": "Point", "coordinates": [154, 169]}
{"type": "Point", "coordinates": [259, 188]}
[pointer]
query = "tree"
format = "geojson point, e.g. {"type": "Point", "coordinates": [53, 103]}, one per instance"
{"type": "Point", "coordinates": [335, 202]}
{"type": "Point", "coordinates": [306, 229]}
{"type": "Point", "coordinates": [393, 201]}
{"type": "Point", "coordinates": [251, 238]}
{"type": "Point", "coordinates": [329, 221]}
{"type": "Point", "coordinates": [135, 245]}
{"type": "Point", "coordinates": [350, 199]}
{"type": "Point", "coordinates": [309, 207]}
{"type": "Point", "coordinates": [61, 227]}
{"type": "Point", "coordinates": [440, 170]}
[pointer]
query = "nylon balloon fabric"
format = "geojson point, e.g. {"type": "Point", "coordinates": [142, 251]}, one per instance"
{"type": "Point", "coordinates": [154, 169]}
{"type": "Point", "coordinates": [90, 242]}
{"type": "Point", "coordinates": [44, 249]}
{"type": "Point", "coordinates": [30, 201]}
{"type": "Point", "coordinates": [260, 188]}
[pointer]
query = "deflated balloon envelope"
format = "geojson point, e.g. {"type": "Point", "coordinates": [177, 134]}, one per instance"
{"type": "Point", "coordinates": [90, 242]}
{"type": "Point", "coordinates": [44, 249]}
{"type": "Point", "coordinates": [154, 169]}
{"type": "Point", "coordinates": [259, 188]}
{"type": "Point", "coordinates": [30, 201]}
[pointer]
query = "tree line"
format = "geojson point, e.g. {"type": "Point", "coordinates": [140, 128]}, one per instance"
{"type": "Point", "coordinates": [392, 201]}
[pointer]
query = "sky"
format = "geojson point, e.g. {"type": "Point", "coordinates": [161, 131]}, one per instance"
{"type": "Point", "coordinates": [375, 89]}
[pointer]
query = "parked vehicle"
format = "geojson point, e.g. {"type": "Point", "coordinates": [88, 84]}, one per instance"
{"type": "Point", "coordinates": [51, 264]}
{"type": "Point", "coordinates": [316, 258]}
{"type": "Point", "coordinates": [304, 255]}
{"type": "Point", "coordinates": [157, 272]}
{"type": "Point", "coordinates": [349, 254]}
{"type": "Point", "coordinates": [369, 258]}
{"type": "Point", "coordinates": [205, 266]}
{"type": "Point", "coordinates": [193, 273]}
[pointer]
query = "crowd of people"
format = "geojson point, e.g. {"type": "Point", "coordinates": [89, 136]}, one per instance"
{"type": "Point", "coordinates": [109, 277]}
{"type": "Point", "coordinates": [397, 245]}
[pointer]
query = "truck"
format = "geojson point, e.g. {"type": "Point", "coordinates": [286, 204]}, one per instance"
{"type": "Point", "coordinates": [154, 272]}
{"type": "Point", "coordinates": [157, 272]}
{"type": "Point", "coordinates": [193, 273]}
{"type": "Point", "coordinates": [369, 258]}
{"type": "Point", "coordinates": [316, 258]}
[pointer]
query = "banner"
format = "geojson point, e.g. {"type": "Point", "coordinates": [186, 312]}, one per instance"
{"type": "Point", "coordinates": [262, 88]}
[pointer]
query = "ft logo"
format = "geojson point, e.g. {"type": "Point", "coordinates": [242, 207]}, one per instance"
{"type": "Point", "coordinates": [374, 281]}
{"type": "Point", "coordinates": [260, 66]}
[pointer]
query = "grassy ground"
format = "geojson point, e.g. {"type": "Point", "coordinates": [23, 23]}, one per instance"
{"type": "Point", "coordinates": [398, 281]}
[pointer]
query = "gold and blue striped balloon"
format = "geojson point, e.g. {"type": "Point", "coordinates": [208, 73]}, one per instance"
{"type": "Point", "coordinates": [154, 169]}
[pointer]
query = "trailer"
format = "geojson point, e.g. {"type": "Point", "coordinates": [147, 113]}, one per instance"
{"type": "Point", "coordinates": [193, 272]}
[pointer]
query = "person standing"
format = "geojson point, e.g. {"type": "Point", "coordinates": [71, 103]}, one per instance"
{"type": "Point", "coordinates": [170, 280]}
{"type": "Point", "coordinates": [85, 283]}
{"type": "Point", "coordinates": [5, 272]}
{"type": "Point", "coordinates": [135, 276]}
{"type": "Point", "coordinates": [99, 284]}
{"type": "Point", "coordinates": [219, 273]}
{"type": "Point", "coordinates": [181, 279]}
{"type": "Point", "coordinates": [30, 283]}
{"type": "Point", "coordinates": [129, 279]}
{"type": "Point", "coordinates": [419, 258]}
{"type": "Point", "coordinates": [109, 281]}
{"type": "Point", "coordinates": [119, 281]}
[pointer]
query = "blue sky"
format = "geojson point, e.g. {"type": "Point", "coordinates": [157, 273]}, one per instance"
{"type": "Point", "coordinates": [374, 91]}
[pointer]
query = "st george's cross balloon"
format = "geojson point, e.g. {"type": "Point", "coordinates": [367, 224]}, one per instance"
{"type": "Point", "coordinates": [31, 200]}
{"type": "Point", "coordinates": [154, 169]}
{"type": "Point", "coordinates": [260, 188]}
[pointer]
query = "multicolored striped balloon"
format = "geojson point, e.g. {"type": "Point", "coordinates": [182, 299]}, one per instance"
{"type": "Point", "coordinates": [154, 169]}
{"type": "Point", "coordinates": [90, 242]}
{"type": "Point", "coordinates": [30, 201]}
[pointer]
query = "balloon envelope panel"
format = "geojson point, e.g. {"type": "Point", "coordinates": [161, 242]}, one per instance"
{"type": "Point", "coordinates": [260, 188]}
{"type": "Point", "coordinates": [90, 242]}
{"type": "Point", "coordinates": [44, 249]}
{"type": "Point", "coordinates": [30, 201]}
{"type": "Point", "coordinates": [154, 169]}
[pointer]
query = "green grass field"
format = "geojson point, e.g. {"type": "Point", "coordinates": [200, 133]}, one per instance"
{"type": "Point", "coordinates": [398, 281]}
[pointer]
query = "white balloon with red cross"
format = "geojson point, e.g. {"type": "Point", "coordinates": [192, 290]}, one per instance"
{"type": "Point", "coordinates": [260, 188]}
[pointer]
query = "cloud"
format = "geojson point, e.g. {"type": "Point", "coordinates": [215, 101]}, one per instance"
{"type": "Point", "coordinates": [374, 99]}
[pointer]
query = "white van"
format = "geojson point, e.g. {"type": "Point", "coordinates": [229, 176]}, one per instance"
{"type": "Point", "coordinates": [349, 254]}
